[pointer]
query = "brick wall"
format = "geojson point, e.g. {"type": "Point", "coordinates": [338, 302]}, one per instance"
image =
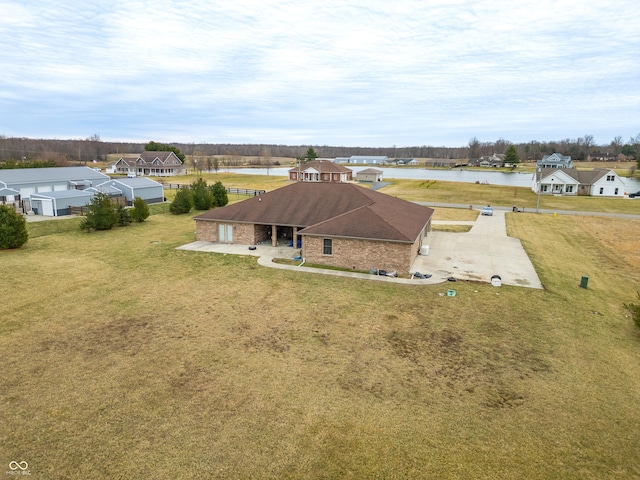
{"type": "Point", "coordinates": [361, 254]}
{"type": "Point", "coordinates": [243, 233]}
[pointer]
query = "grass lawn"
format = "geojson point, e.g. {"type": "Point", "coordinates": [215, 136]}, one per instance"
{"type": "Point", "coordinates": [478, 195]}
{"type": "Point", "coordinates": [125, 358]}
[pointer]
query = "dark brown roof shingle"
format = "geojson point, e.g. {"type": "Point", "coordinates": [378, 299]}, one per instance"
{"type": "Point", "coordinates": [336, 209]}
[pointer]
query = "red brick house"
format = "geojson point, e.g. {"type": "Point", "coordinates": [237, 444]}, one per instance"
{"type": "Point", "coordinates": [320, 171]}
{"type": "Point", "coordinates": [337, 224]}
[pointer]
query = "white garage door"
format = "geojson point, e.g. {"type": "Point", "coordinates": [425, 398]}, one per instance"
{"type": "Point", "coordinates": [47, 207]}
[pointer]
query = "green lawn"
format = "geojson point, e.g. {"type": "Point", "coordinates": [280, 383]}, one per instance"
{"type": "Point", "coordinates": [125, 358]}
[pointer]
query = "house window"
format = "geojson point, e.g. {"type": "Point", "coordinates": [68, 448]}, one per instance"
{"type": "Point", "coordinates": [610, 178]}
{"type": "Point", "coordinates": [327, 246]}
{"type": "Point", "coordinates": [544, 188]}
{"type": "Point", "coordinates": [601, 190]}
{"type": "Point", "coordinates": [615, 192]}
{"type": "Point", "coordinates": [569, 188]}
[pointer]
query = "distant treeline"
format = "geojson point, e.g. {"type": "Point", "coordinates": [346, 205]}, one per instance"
{"type": "Point", "coordinates": [28, 150]}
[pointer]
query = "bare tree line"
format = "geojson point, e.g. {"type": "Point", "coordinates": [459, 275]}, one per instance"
{"type": "Point", "coordinates": [78, 151]}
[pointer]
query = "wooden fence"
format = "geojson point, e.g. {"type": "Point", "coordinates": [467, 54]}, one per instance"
{"type": "Point", "coordinates": [83, 210]}
{"type": "Point", "coordinates": [239, 191]}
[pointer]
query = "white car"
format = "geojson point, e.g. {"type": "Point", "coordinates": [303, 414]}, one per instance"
{"type": "Point", "coordinates": [487, 211]}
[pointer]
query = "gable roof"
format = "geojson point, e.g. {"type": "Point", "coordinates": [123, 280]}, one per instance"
{"type": "Point", "coordinates": [321, 166]}
{"type": "Point", "coordinates": [592, 176]}
{"type": "Point", "coordinates": [370, 170]}
{"type": "Point", "coordinates": [164, 157]}
{"type": "Point", "coordinates": [136, 182]}
{"type": "Point", "coordinates": [19, 176]}
{"type": "Point", "coordinates": [337, 209]}
{"type": "Point", "coordinates": [583, 177]}
{"type": "Point", "coordinates": [58, 194]}
{"type": "Point", "coordinates": [5, 192]}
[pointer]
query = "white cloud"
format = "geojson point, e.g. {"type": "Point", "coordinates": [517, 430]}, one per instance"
{"type": "Point", "coordinates": [409, 72]}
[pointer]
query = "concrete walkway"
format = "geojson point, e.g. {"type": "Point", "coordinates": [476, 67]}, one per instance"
{"type": "Point", "coordinates": [477, 255]}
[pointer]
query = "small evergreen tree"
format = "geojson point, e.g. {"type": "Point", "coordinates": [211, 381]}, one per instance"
{"type": "Point", "coordinates": [202, 198]}
{"type": "Point", "coordinates": [511, 155]}
{"type": "Point", "coordinates": [101, 214]}
{"type": "Point", "coordinates": [219, 194]}
{"type": "Point", "coordinates": [183, 202]}
{"type": "Point", "coordinates": [124, 218]}
{"type": "Point", "coordinates": [310, 156]}
{"type": "Point", "coordinates": [13, 228]}
{"type": "Point", "coordinates": [140, 211]}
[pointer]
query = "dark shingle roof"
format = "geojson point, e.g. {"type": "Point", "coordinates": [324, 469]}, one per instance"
{"type": "Point", "coordinates": [336, 209]}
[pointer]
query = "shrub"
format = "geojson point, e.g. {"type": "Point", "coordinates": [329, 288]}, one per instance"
{"type": "Point", "coordinates": [635, 311]}
{"type": "Point", "coordinates": [202, 198]}
{"type": "Point", "coordinates": [123, 216]}
{"type": "Point", "coordinates": [13, 228]}
{"type": "Point", "coordinates": [140, 211]}
{"type": "Point", "coordinates": [101, 214]}
{"type": "Point", "coordinates": [183, 201]}
{"type": "Point", "coordinates": [219, 194]}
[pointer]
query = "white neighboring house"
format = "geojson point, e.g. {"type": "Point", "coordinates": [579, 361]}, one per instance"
{"type": "Point", "coordinates": [569, 181]}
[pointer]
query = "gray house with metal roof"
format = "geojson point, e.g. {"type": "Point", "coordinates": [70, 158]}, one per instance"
{"type": "Point", "coordinates": [38, 180]}
{"type": "Point", "coordinates": [148, 190]}
{"type": "Point", "coordinates": [19, 184]}
{"type": "Point", "coordinates": [55, 204]}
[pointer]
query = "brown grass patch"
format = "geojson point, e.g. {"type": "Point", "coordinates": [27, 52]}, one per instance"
{"type": "Point", "coordinates": [126, 357]}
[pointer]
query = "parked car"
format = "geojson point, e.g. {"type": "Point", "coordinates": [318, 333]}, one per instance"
{"type": "Point", "coordinates": [634, 195]}
{"type": "Point", "coordinates": [487, 211]}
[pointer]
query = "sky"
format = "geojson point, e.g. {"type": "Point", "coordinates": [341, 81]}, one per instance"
{"type": "Point", "coordinates": [369, 73]}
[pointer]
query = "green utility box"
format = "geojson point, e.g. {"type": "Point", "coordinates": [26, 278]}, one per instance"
{"type": "Point", "coordinates": [584, 281]}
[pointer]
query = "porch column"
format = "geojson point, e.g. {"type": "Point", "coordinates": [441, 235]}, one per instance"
{"type": "Point", "coordinates": [295, 237]}
{"type": "Point", "coordinates": [274, 235]}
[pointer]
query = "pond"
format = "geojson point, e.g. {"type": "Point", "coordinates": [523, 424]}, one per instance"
{"type": "Point", "coordinates": [510, 179]}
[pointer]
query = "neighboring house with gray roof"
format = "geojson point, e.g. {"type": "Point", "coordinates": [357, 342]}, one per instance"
{"type": "Point", "coordinates": [29, 181]}
{"type": "Point", "coordinates": [320, 171]}
{"type": "Point", "coordinates": [151, 164]}
{"type": "Point", "coordinates": [598, 182]}
{"type": "Point", "coordinates": [340, 224]}
{"type": "Point", "coordinates": [555, 160]}
{"type": "Point", "coordinates": [148, 190]}
{"type": "Point", "coordinates": [38, 180]}
{"type": "Point", "coordinates": [364, 159]}
{"type": "Point", "coordinates": [55, 204]}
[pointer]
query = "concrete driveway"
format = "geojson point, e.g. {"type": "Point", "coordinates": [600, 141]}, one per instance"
{"type": "Point", "coordinates": [476, 255]}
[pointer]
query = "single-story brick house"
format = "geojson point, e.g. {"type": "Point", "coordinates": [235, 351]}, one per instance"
{"type": "Point", "coordinates": [320, 171]}
{"type": "Point", "coordinates": [339, 224]}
